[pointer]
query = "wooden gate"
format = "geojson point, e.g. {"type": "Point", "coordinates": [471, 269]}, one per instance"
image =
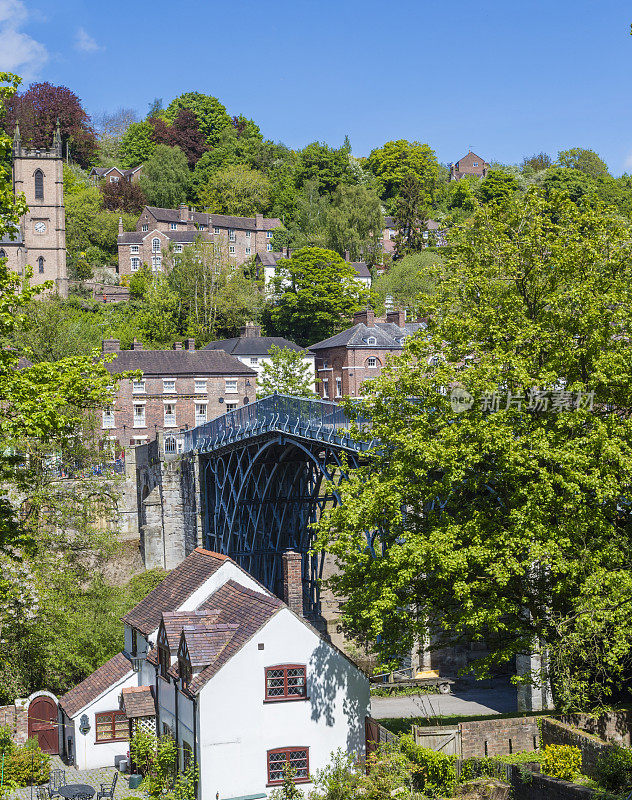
{"type": "Point", "coordinates": [439, 738]}
{"type": "Point", "coordinates": [42, 723]}
{"type": "Point", "coordinates": [376, 735]}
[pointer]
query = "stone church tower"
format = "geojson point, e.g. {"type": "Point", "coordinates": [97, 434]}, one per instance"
{"type": "Point", "coordinates": [40, 239]}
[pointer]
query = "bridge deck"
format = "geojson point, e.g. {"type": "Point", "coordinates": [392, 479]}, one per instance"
{"type": "Point", "coordinates": [316, 420]}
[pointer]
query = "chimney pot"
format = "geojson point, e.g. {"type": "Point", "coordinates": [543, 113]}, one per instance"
{"type": "Point", "coordinates": [177, 345]}
{"type": "Point", "coordinates": [110, 346]}
{"type": "Point", "coordinates": [184, 212]}
{"type": "Point", "coordinates": [347, 256]}
{"type": "Point", "coordinates": [250, 331]}
{"type": "Point", "coordinates": [120, 227]}
{"type": "Point", "coordinates": [293, 581]}
{"type": "Point", "coordinates": [189, 344]}
{"type": "Point", "coordinates": [398, 317]}
{"type": "Point", "coordinates": [259, 221]}
{"type": "Point", "coordinates": [366, 317]}
{"type": "Point", "coordinates": [136, 345]}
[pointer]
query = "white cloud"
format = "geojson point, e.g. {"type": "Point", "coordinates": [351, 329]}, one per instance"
{"type": "Point", "coordinates": [19, 52]}
{"type": "Point", "coordinates": [85, 43]}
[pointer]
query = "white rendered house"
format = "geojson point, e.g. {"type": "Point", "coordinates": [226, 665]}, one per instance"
{"type": "Point", "coordinates": [239, 679]}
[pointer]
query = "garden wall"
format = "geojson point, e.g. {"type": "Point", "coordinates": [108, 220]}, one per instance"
{"type": "Point", "coordinates": [591, 746]}
{"type": "Point", "coordinates": [15, 717]}
{"type": "Point", "coordinates": [498, 737]}
{"type": "Point", "coordinates": [613, 726]}
{"type": "Point", "coordinates": [534, 786]}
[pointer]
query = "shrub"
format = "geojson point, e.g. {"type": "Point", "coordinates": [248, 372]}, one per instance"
{"type": "Point", "coordinates": [338, 780]}
{"type": "Point", "coordinates": [478, 767]}
{"type": "Point", "coordinates": [25, 765]}
{"type": "Point", "coordinates": [388, 775]}
{"type": "Point", "coordinates": [561, 761]}
{"type": "Point", "coordinates": [614, 769]}
{"type": "Point", "coordinates": [433, 773]}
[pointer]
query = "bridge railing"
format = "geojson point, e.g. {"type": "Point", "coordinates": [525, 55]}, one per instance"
{"type": "Point", "coordinates": [300, 416]}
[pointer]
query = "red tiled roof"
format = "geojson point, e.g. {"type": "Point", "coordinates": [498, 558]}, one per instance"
{"type": "Point", "coordinates": [174, 590]}
{"type": "Point", "coordinates": [138, 701]}
{"type": "Point", "coordinates": [113, 671]}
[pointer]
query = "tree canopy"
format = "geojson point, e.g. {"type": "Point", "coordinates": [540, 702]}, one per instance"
{"type": "Point", "coordinates": [165, 177]}
{"type": "Point", "coordinates": [285, 373]}
{"type": "Point", "coordinates": [395, 161]}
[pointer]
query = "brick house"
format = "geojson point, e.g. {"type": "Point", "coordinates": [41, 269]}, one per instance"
{"type": "Point", "coordinates": [114, 174]}
{"type": "Point", "coordinates": [179, 389]}
{"type": "Point", "coordinates": [238, 677]}
{"type": "Point", "coordinates": [243, 236]}
{"type": "Point", "coordinates": [348, 359]}
{"type": "Point", "coordinates": [471, 164]}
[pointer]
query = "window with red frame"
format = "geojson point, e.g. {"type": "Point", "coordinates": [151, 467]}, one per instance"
{"type": "Point", "coordinates": [286, 682]}
{"type": "Point", "coordinates": [297, 757]}
{"type": "Point", "coordinates": [111, 726]}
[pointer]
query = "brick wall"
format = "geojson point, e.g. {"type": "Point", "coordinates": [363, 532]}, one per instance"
{"type": "Point", "coordinates": [498, 737]}
{"type": "Point", "coordinates": [535, 786]}
{"type": "Point", "coordinates": [591, 746]}
{"type": "Point", "coordinates": [15, 717]}
{"type": "Point", "coordinates": [613, 726]}
{"type": "Point", "coordinates": [293, 580]}
{"type": "Point", "coordinates": [349, 365]}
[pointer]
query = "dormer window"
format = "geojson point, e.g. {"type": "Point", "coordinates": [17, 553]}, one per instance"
{"type": "Point", "coordinates": [164, 661]}
{"type": "Point", "coordinates": [371, 340]}
{"type": "Point", "coordinates": [185, 672]}
{"type": "Point", "coordinates": [134, 642]}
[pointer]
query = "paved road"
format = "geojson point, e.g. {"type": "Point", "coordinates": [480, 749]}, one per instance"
{"type": "Point", "coordinates": [500, 698]}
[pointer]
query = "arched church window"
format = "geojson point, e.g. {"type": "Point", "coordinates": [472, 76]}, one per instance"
{"type": "Point", "coordinates": [40, 265]}
{"type": "Point", "coordinates": [39, 184]}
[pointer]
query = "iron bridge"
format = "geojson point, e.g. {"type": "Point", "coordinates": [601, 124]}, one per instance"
{"type": "Point", "coordinates": [267, 471]}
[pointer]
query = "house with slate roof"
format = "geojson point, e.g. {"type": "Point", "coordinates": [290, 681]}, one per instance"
{"type": "Point", "coordinates": [114, 174]}
{"type": "Point", "coordinates": [266, 264]}
{"type": "Point", "coordinates": [158, 229]}
{"type": "Point", "coordinates": [236, 676]}
{"type": "Point", "coordinates": [253, 349]}
{"type": "Point", "coordinates": [348, 359]}
{"type": "Point", "coordinates": [176, 390]}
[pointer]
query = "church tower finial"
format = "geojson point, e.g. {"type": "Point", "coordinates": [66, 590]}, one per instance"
{"type": "Point", "coordinates": [57, 139]}
{"type": "Point", "coordinates": [17, 140]}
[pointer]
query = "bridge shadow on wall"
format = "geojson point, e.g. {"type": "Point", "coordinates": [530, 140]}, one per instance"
{"type": "Point", "coordinates": [337, 688]}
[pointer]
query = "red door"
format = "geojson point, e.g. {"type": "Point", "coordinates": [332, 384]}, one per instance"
{"type": "Point", "coordinates": [43, 723]}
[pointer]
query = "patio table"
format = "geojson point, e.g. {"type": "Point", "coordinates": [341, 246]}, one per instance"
{"type": "Point", "coordinates": [77, 791]}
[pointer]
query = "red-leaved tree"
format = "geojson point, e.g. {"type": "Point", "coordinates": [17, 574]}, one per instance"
{"type": "Point", "coordinates": [123, 196]}
{"type": "Point", "coordinates": [38, 109]}
{"type": "Point", "coordinates": [183, 133]}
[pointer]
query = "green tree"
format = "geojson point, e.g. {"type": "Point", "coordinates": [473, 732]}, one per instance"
{"type": "Point", "coordinates": [497, 186]}
{"type": "Point", "coordinates": [519, 498]}
{"type": "Point", "coordinates": [165, 178]}
{"type": "Point", "coordinates": [411, 212]}
{"type": "Point", "coordinates": [211, 114]}
{"type": "Point", "coordinates": [586, 161]}
{"type": "Point", "coordinates": [286, 373]}
{"type": "Point", "coordinates": [236, 190]}
{"type": "Point", "coordinates": [354, 221]}
{"type": "Point", "coordinates": [395, 161]}
{"type": "Point", "coordinates": [326, 165]}
{"type": "Point", "coordinates": [137, 144]}
{"type": "Point", "coordinates": [409, 281]}
{"type": "Point", "coordinates": [573, 182]}
{"type": "Point", "coordinates": [536, 163]}
{"type": "Point", "coordinates": [318, 295]}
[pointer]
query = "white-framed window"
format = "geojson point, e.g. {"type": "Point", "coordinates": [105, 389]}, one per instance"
{"type": "Point", "coordinates": [248, 234]}
{"type": "Point", "coordinates": [269, 247]}
{"type": "Point", "coordinates": [325, 383]}
{"type": "Point", "coordinates": [254, 361]}
{"type": "Point", "coordinates": [248, 251]}
{"type": "Point", "coordinates": [231, 407]}
{"type": "Point", "coordinates": [201, 227]}
{"type": "Point", "coordinates": [231, 385]}
{"type": "Point", "coordinates": [231, 235]}
{"type": "Point", "coordinates": [268, 234]}
{"type": "Point", "coordinates": [156, 263]}
{"type": "Point", "coordinates": [134, 248]}
{"type": "Point", "coordinates": [200, 413]}
{"type": "Point", "coordinates": [114, 179]}
{"type": "Point", "coordinates": [371, 362]}
{"type": "Point", "coordinates": [371, 340]}
{"type": "Point", "coordinates": [475, 163]}
{"type": "Point", "coordinates": [200, 385]}
{"type": "Point", "coordinates": [145, 227]}
{"type": "Point", "coordinates": [173, 226]}
{"type": "Point", "coordinates": [138, 387]}
{"type": "Point", "coordinates": [216, 229]}
{"type": "Point", "coordinates": [139, 415]}
{"type": "Point", "coordinates": [135, 264]}
{"type": "Point", "coordinates": [338, 387]}
{"type": "Point", "coordinates": [155, 245]}
{"type": "Point", "coordinates": [170, 415]}
{"type": "Point", "coordinates": [231, 249]}
{"type": "Point", "coordinates": [108, 418]}
{"type": "Point", "coordinates": [177, 248]}
{"type": "Point", "coordinates": [169, 385]}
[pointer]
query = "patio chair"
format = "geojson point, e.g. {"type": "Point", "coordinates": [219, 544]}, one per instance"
{"type": "Point", "coordinates": [107, 789]}
{"type": "Point", "coordinates": [56, 781]}
{"type": "Point", "coordinates": [42, 793]}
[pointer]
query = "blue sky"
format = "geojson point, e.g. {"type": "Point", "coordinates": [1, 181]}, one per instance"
{"type": "Point", "coordinates": [505, 78]}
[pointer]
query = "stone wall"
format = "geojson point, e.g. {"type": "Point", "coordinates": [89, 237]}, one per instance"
{"type": "Point", "coordinates": [555, 732]}
{"type": "Point", "coordinates": [613, 726]}
{"type": "Point", "coordinates": [534, 786]}
{"type": "Point", "coordinates": [15, 717]}
{"type": "Point", "coordinates": [498, 737]}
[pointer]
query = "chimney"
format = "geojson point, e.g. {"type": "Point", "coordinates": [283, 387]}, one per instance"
{"type": "Point", "coordinates": [250, 331]}
{"type": "Point", "coordinates": [136, 345]}
{"type": "Point", "coordinates": [110, 346]}
{"type": "Point", "coordinates": [259, 222]}
{"type": "Point", "coordinates": [189, 344]}
{"type": "Point", "coordinates": [367, 317]}
{"type": "Point", "coordinates": [184, 212]}
{"type": "Point", "coordinates": [347, 256]}
{"type": "Point", "coordinates": [398, 317]}
{"type": "Point", "coordinates": [177, 345]}
{"type": "Point", "coordinates": [293, 581]}
{"type": "Point", "coordinates": [120, 226]}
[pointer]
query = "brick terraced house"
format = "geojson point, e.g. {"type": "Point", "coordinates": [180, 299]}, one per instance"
{"type": "Point", "coordinates": [469, 165]}
{"type": "Point", "coordinates": [348, 359]}
{"type": "Point", "coordinates": [240, 680]}
{"type": "Point", "coordinates": [158, 227]}
{"type": "Point", "coordinates": [114, 174]}
{"type": "Point", "coordinates": [178, 389]}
